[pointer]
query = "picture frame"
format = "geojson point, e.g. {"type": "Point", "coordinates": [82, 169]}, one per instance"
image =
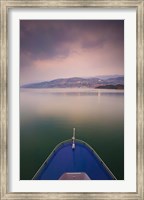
{"type": "Point", "coordinates": [6, 5]}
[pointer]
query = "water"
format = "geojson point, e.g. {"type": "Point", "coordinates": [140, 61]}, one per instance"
{"type": "Point", "coordinates": [48, 116]}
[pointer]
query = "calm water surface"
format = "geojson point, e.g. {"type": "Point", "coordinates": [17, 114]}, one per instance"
{"type": "Point", "coordinates": [48, 116]}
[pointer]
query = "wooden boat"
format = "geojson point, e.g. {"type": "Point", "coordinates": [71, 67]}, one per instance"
{"type": "Point", "coordinates": [74, 160]}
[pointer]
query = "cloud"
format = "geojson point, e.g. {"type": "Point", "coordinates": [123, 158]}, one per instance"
{"type": "Point", "coordinates": [94, 43]}
{"type": "Point", "coordinates": [44, 40]}
{"type": "Point", "coordinates": [72, 45]}
{"type": "Point", "coordinates": [50, 38]}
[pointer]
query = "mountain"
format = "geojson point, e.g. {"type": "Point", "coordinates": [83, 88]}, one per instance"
{"type": "Point", "coordinates": [77, 82]}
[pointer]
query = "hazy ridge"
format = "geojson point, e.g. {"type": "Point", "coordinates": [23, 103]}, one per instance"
{"type": "Point", "coordinates": [78, 82]}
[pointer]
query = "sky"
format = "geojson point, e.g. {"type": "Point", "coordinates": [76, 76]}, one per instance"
{"type": "Point", "coordinates": [51, 49]}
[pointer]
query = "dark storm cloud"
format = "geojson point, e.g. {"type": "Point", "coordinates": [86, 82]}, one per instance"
{"type": "Point", "coordinates": [44, 39]}
{"type": "Point", "coordinates": [50, 39]}
{"type": "Point", "coordinates": [94, 43]}
{"type": "Point", "coordinates": [108, 32]}
{"type": "Point", "coordinates": [51, 49]}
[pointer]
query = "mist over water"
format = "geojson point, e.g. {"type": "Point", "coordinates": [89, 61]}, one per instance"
{"type": "Point", "coordinates": [48, 116]}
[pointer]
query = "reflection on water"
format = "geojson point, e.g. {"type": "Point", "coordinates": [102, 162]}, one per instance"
{"type": "Point", "coordinates": [73, 92]}
{"type": "Point", "coordinates": [49, 115]}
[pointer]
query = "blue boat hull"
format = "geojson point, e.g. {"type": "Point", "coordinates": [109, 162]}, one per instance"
{"type": "Point", "coordinates": [81, 159]}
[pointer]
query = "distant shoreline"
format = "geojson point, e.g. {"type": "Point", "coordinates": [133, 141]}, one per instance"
{"type": "Point", "coordinates": [113, 88]}
{"type": "Point", "coordinates": [118, 87]}
{"type": "Point", "coordinates": [78, 82]}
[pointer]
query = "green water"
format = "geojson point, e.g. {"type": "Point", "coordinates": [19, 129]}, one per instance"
{"type": "Point", "coordinates": [48, 116]}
